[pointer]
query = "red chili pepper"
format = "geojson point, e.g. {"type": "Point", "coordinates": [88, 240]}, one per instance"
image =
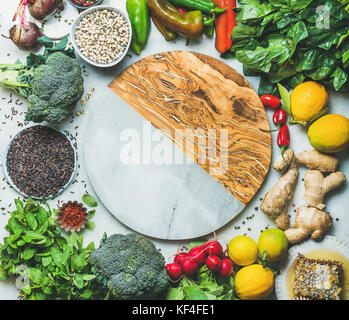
{"type": "Point", "coordinates": [279, 117]}
{"type": "Point", "coordinates": [283, 138]}
{"type": "Point", "coordinates": [270, 101]}
{"type": "Point", "coordinates": [225, 23]}
{"type": "Point", "coordinates": [181, 10]}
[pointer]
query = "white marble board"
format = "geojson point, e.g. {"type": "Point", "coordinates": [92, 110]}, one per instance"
{"type": "Point", "coordinates": [336, 203]}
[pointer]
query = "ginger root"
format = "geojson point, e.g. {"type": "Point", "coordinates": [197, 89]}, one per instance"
{"type": "Point", "coordinates": [308, 221]}
{"type": "Point", "coordinates": [276, 199]}
{"type": "Point", "coordinates": [316, 186]}
{"type": "Point", "coordinates": [316, 160]}
{"type": "Point", "coordinates": [282, 164]}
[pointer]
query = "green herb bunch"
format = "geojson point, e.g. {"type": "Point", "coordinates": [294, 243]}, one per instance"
{"type": "Point", "coordinates": [205, 286]}
{"type": "Point", "coordinates": [45, 264]}
{"type": "Point", "coordinates": [291, 41]}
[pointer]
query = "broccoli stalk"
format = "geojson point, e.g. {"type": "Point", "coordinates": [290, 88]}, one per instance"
{"type": "Point", "coordinates": [51, 82]}
{"type": "Point", "coordinates": [9, 76]}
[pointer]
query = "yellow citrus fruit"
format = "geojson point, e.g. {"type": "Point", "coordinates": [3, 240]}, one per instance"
{"type": "Point", "coordinates": [243, 250]}
{"type": "Point", "coordinates": [307, 99]}
{"type": "Point", "coordinates": [254, 282]}
{"type": "Point", "coordinates": [274, 242]}
{"type": "Point", "coordinates": [329, 133]}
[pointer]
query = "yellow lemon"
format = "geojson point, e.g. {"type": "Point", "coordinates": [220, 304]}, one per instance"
{"type": "Point", "coordinates": [307, 100]}
{"type": "Point", "coordinates": [254, 282]}
{"type": "Point", "coordinates": [330, 133]}
{"type": "Point", "coordinates": [274, 242]}
{"type": "Point", "coordinates": [243, 250]}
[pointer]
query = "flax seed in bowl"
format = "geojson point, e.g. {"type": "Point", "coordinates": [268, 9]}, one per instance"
{"type": "Point", "coordinates": [101, 36]}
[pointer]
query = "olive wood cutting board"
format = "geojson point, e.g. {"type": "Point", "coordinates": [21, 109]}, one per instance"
{"type": "Point", "coordinates": [208, 110]}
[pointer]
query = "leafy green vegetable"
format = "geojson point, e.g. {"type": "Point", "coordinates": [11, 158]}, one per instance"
{"type": "Point", "coordinates": [130, 267]}
{"type": "Point", "coordinates": [89, 200]}
{"type": "Point", "coordinates": [206, 286]}
{"type": "Point", "coordinates": [285, 97]}
{"type": "Point", "coordinates": [52, 82]}
{"type": "Point", "coordinates": [49, 265]}
{"type": "Point", "coordinates": [291, 41]}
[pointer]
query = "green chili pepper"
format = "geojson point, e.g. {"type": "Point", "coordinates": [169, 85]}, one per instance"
{"type": "Point", "coordinates": [206, 6]}
{"type": "Point", "coordinates": [189, 25]}
{"type": "Point", "coordinates": [138, 14]}
{"type": "Point", "coordinates": [209, 25]}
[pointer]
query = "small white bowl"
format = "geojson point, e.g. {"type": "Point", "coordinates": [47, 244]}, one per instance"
{"type": "Point", "coordinates": [11, 183]}
{"type": "Point", "coordinates": [76, 47]}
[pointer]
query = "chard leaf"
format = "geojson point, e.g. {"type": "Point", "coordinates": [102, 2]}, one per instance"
{"type": "Point", "coordinates": [345, 57]}
{"type": "Point", "coordinates": [254, 10]}
{"type": "Point", "coordinates": [339, 78]}
{"type": "Point", "coordinates": [267, 87]}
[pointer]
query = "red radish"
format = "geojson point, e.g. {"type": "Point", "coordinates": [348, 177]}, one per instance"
{"type": "Point", "coordinates": [198, 255]}
{"type": "Point", "coordinates": [174, 270]}
{"type": "Point", "coordinates": [227, 268]}
{"type": "Point", "coordinates": [189, 266]}
{"type": "Point", "coordinates": [213, 247]}
{"type": "Point", "coordinates": [213, 263]}
{"type": "Point", "coordinates": [179, 257]}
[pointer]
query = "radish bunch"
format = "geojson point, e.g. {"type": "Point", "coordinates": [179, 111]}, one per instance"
{"type": "Point", "coordinates": [188, 263]}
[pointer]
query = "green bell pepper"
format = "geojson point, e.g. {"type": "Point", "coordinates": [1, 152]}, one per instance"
{"type": "Point", "coordinates": [138, 14]}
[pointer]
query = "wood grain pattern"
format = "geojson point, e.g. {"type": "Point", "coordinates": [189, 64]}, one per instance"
{"type": "Point", "coordinates": [208, 110]}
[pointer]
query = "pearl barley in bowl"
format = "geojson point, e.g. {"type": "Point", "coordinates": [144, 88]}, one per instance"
{"type": "Point", "coordinates": [101, 36]}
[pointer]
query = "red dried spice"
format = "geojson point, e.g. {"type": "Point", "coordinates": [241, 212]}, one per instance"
{"type": "Point", "coordinates": [85, 3]}
{"type": "Point", "coordinates": [72, 216]}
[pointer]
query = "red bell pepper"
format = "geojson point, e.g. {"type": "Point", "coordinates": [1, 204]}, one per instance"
{"type": "Point", "coordinates": [225, 23]}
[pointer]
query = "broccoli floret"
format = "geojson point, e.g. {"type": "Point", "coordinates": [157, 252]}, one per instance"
{"type": "Point", "coordinates": [131, 267]}
{"type": "Point", "coordinates": [52, 83]}
{"type": "Point", "coordinates": [57, 85]}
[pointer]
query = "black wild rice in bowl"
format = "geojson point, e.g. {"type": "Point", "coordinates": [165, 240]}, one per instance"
{"type": "Point", "coordinates": [40, 161]}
